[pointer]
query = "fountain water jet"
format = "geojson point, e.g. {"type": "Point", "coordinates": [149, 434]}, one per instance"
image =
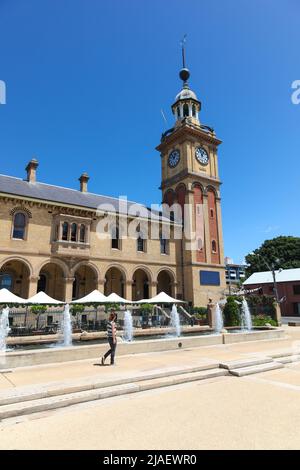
{"type": "Point", "coordinates": [246, 320]}
{"type": "Point", "coordinates": [175, 320]}
{"type": "Point", "coordinates": [128, 326]}
{"type": "Point", "coordinates": [4, 328]}
{"type": "Point", "coordinates": [67, 326]}
{"type": "Point", "coordinates": [219, 322]}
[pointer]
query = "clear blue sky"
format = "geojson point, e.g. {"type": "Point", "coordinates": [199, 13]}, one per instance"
{"type": "Point", "coordinates": [86, 81]}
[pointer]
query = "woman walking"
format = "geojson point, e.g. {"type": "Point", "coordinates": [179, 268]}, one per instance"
{"type": "Point", "coordinates": [112, 339]}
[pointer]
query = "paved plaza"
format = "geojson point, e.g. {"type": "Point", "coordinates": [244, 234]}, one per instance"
{"type": "Point", "coordinates": [258, 411]}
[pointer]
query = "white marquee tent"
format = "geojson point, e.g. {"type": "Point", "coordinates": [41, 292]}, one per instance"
{"type": "Point", "coordinates": [7, 297]}
{"type": "Point", "coordinates": [41, 298]}
{"type": "Point", "coordinates": [95, 297]}
{"type": "Point", "coordinates": [161, 298]}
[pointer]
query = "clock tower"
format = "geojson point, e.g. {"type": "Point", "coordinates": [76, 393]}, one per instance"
{"type": "Point", "coordinates": [190, 178]}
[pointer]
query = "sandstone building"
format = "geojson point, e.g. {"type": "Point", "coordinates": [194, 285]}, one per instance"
{"type": "Point", "coordinates": [49, 240]}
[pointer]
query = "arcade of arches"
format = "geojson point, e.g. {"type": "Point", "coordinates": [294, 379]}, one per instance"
{"type": "Point", "coordinates": [58, 282]}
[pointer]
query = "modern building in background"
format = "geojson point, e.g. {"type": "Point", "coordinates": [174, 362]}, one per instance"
{"type": "Point", "coordinates": [49, 240]}
{"type": "Point", "coordinates": [235, 274]}
{"type": "Point", "coordinates": [287, 284]}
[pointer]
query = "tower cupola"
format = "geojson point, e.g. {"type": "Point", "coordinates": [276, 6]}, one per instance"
{"type": "Point", "coordinates": [186, 105]}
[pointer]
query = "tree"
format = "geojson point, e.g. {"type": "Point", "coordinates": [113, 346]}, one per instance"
{"type": "Point", "coordinates": [231, 312]}
{"type": "Point", "coordinates": [280, 252]}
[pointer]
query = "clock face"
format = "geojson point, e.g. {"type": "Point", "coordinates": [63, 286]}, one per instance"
{"type": "Point", "coordinates": [174, 158]}
{"type": "Point", "coordinates": [202, 156]}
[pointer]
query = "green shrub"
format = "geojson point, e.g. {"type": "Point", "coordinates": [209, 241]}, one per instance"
{"type": "Point", "coordinates": [146, 308]}
{"type": "Point", "coordinates": [77, 308]}
{"type": "Point", "coordinates": [231, 312]}
{"type": "Point", "coordinates": [202, 311]}
{"type": "Point", "coordinates": [261, 320]}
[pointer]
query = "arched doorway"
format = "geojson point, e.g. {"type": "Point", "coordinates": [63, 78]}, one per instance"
{"type": "Point", "coordinates": [165, 282]}
{"type": "Point", "coordinates": [114, 282]}
{"type": "Point", "coordinates": [85, 281]}
{"type": "Point", "coordinates": [14, 276]}
{"type": "Point", "coordinates": [51, 280]}
{"type": "Point", "coordinates": [140, 285]}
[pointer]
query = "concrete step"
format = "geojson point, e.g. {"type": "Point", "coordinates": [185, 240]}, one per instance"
{"type": "Point", "coordinates": [60, 401]}
{"type": "Point", "coordinates": [256, 369]}
{"type": "Point", "coordinates": [288, 359]}
{"type": "Point", "coordinates": [35, 392]}
{"type": "Point", "coordinates": [245, 363]}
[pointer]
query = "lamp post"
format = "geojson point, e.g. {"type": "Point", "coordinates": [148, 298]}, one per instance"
{"type": "Point", "coordinates": [271, 268]}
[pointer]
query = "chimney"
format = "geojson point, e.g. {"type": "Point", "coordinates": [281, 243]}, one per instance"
{"type": "Point", "coordinates": [83, 182]}
{"type": "Point", "coordinates": [31, 170]}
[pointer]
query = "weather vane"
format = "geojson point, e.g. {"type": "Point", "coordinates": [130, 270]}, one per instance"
{"type": "Point", "coordinates": [183, 50]}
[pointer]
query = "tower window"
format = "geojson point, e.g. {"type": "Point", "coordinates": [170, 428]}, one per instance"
{"type": "Point", "coordinates": [194, 110]}
{"type": "Point", "coordinates": [19, 226]}
{"type": "Point", "coordinates": [212, 213]}
{"type": "Point", "coordinates": [65, 231]}
{"type": "Point", "coordinates": [178, 112]}
{"type": "Point", "coordinates": [214, 246]}
{"type": "Point", "coordinates": [185, 110]}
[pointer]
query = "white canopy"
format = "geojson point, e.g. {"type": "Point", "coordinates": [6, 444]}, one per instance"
{"type": "Point", "coordinates": [43, 299]}
{"type": "Point", "coordinates": [115, 298]}
{"type": "Point", "coordinates": [95, 297]}
{"type": "Point", "coordinates": [7, 297]}
{"type": "Point", "coordinates": [161, 298]}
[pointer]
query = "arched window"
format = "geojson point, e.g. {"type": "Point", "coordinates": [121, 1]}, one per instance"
{"type": "Point", "coordinates": [194, 110]}
{"type": "Point", "coordinates": [6, 281]}
{"type": "Point", "coordinates": [74, 232]}
{"type": "Point", "coordinates": [185, 110]}
{"type": "Point", "coordinates": [19, 226]}
{"type": "Point", "coordinates": [42, 283]}
{"type": "Point", "coordinates": [65, 231]}
{"type": "Point", "coordinates": [212, 213]}
{"type": "Point", "coordinates": [178, 112]}
{"type": "Point", "coordinates": [214, 246]}
{"type": "Point", "coordinates": [115, 238]}
{"type": "Point", "coordinates": [82, 234]}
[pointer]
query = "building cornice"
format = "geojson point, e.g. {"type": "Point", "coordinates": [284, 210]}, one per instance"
{"type": "Point", "coordinates": [187, 129]}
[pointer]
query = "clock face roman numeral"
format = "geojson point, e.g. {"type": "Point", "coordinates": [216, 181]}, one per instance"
{"type": "Point", "coordinates": [173, 158]}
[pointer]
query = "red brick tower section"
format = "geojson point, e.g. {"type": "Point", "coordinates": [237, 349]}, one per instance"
{"type": "Point", "coordinates": [199, 223]}
{"type": "Point", "coordinates": [213, 226]}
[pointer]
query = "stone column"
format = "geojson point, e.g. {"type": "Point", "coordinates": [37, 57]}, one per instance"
{"type": "Point", "coordinates": [100, 285]}
{"type": "Point", "coordinates": [68, 288]}
{"type": "Point", "coordinates": [128, 290]}
{"type": "Point", "coordinates": [33, 283]}
{"type": "Point", "coordinates": [174, 286]}
{"type": "Point", "coordinates": [278, 313]}
{"type": "Point", "coordinates": [152, 289]}
{"type": "Point", "coordinates": [211, 314]}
